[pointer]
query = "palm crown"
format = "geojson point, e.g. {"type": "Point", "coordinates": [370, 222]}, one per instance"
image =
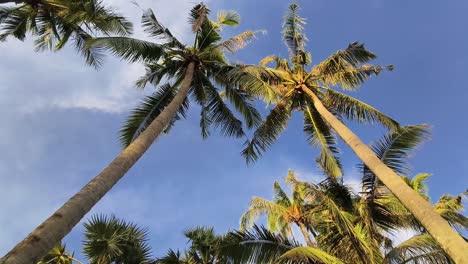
{"type": "Point", "coordinates": [170, 61]}
{"type": "Point", "coordinates": [289, 83]}
{"type": "Point", "coordinates": [55, 22]}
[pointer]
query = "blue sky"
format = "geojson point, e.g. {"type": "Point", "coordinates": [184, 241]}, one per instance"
{"type": "Point", "coordinates": [60, 118]}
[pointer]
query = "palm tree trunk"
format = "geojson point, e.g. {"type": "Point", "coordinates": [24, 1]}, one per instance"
{"type": "Point", "coordinates": [58, 225]}
{"type": "Point", "coordinates": [306, 234]}
{"type": "Point", "coordinates": [447, 237]}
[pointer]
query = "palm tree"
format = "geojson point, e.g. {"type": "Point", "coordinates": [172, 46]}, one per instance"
{"type": "Point", "coordinates": [192, 69]}
{"type": "Point", "coordinates": [55, 22]}
{"type": "Point", "coordinates": [111, 240]}
{"type": "Point", "coordinates": [204, 248]}
{"type": "Point", "coordinates": [58, 255]}
{"type": "Point", "coordinates": [282, 211]}
{"type": "Point", "coordinates": [293, 87]}
{"type": "Point", "coordinates": [354, 228]}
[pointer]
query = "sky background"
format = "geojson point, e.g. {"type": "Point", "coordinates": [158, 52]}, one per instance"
{"type": "Point", "coordinates": [60, 118]}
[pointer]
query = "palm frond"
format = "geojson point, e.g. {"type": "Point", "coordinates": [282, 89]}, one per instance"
{"type": "Point", "coordinates": [238, 42]}
{"type": "Point", "coordinates": [320, 135]}
{"type": "Point", "coordinates": [281, 64]}
{"type": "Point", "coordinates": [280, 197]}
{"type": "Point", "coordinates": [259, 206]}
{"type": "Point", "coordinates": [142, 116]}
{"type": "Point", "coordinates": [303, 255]}
{"type": "Point", "coordinates": [418, 249]}
{"type": "Point", "coordinates": [345, 67]}
{"type": "Point", "coordinates": [171, 257]}
{"type": "Point", "coordinates": [257, 245]}
{"type": "Point", "coordinates": [268, 132]}
{"type": "Point", "coordinates": [354, 109]}
{"type": "Point", "coordinates": [219, 114]}
{"type": "Point", "coordinates": [450, 207]}
{"type": "Point", "coordinates": [293, 32]}
{"type": "Point", "coordinates": [229, 18]}
{"type": "Point", "coordinates": [243, 102]}
{"type": "Point", "coordinates": [132, 50]}
{"type": "Point", "coordinates": [198, 15]}
{"type": "Point", "coordinates": [154, 28]}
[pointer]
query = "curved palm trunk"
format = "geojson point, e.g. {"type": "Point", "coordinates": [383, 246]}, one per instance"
{"type": "Point", "coordinates": [447, 237]}
{"type": "Point", "coordinates": [306, 235]}
{"type": "Point", "coordinates": [58, 225]}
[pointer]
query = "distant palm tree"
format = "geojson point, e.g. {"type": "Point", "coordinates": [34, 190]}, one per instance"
{"type": "Point", "coordinates": [55, 22]}
{"type": "Point", "coordinates": [203, 249]}
{"type": "Point", "coordinates": [193, 70]}
{"type": "Point", "coordinates": [355, 229]}
{"type": "Point", "coordinates": [110, 240]}
{"type": "Point", "coordinates": [293, 87]}
{"type": "Point", "coordinates": [58, 255]}
{"type": "Point", "coordinates": [282, 211]}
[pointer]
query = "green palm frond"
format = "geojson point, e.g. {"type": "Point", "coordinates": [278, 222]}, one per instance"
{"type": "Point", "coordinates": [418, 249]}
{"type": "Point", "coordinates": [303, 255]}
{"type": "Point", "coordinates": [450, 207]}
{"type": "Point", "coordinates": [293, 33]}
{"type": "Point", "coordinates": [14, 21]}
{"type": "Point", "coordinates": [259, 206]}
{"type": "Point", "coordinates": [92, 55]}
{"type": "Point", "coordinates": [132, 50]}
{"type": "Point", "coordinates": [171, 257]}
{"type": "Point", "coordinates": [155, 29]}
{"type": "Point", "coordinates": [354, 109]}
{"type": "Point", "coordinates": [345, 67]}
{"type": "Point", "coordinates": [142, 116]}
{"type": "Point", "coordinates": [58, 255]}
{"type": "Point", "coordinates": [395, 148]}
{"type": "Point", "coordinates": [280, 197]}
{"type": "Point", "coordinates": [319, 134]}
{"type": "Point", "coordinates": [220, 115]}
{"type": "Point", "coordinates": [268, 132]}
{"type": "Point", "coordinates": [257, 245]}
{"type": "Point", "coordinates": [238, 42]}
{"type": "Point", "coordinates": [229, 18]}
{"type": "Point", "coordinates": [244, 104]}
{"type": "Point", "coordinates": [281, 64]}
{"type": "Point", "coordinates": [111, 240]}
{"type": "Point", "coordinates": [417, 184]}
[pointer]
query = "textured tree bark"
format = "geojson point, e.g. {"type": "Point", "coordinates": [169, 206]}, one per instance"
{"type": "Point", "coordinates": [58, 225]}
{"type": "Point", "coordinates": [306, 234]}
{"type": "Point", "coordinates": [452, 243]}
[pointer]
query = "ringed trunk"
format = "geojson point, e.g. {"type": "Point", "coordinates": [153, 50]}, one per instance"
{"type": "Point", "coordinates": [452, 243]}
{"type": "Point", "coordinates": [59, 224]}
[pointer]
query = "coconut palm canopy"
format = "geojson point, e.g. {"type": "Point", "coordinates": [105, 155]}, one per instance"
{"type": "Point", "coordinates": [61, 118]}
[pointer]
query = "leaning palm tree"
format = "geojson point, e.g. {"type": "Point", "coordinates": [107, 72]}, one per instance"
{"type": "Point", "coordinates": [282, 212]}
{"type": "Point", "coordinates": [58, 255]}
{"type": "Point", "coordinates": [290, 85]}
{"type": "Point", "coordinates": [192, 70]}
{"type": "Point", "coordinates": [111, 240]}
{"type": "Point", "coordinates": [55, 22]}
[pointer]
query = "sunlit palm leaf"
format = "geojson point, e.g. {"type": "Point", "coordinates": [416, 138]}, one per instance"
{"type": "Point", "coordinates": [354, 109]}
{"type": "Point", "coordinates": [304, 255]}
{"type": "Point", "coordinates": [238, 42]}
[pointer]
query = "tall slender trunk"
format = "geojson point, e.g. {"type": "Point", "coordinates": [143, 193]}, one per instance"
{"type": "Point", "coordinates": [452, 243]}
{"type": "Point", "coordinates": [58, 225]}
{"type": "Point", "coordinates": [306, 234]}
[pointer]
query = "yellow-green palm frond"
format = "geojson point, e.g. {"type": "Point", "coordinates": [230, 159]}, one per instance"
{"type": "Point", "coordinates": [418, 249]}
{"type": "Point", "coordinates": [303, 255]}
{"type": "Point", "coordinates": [450, 207]}
{"type": "Point", "coordinates": [230, 18]}
{"type": "Point", "coordinates": [259, 206]}
{"type": "Point", "coordinates": [281, 64]}
{"type": "Point", "coordinates": [238, 42]}
{"type": "Point", "coordinates": [354, 109]}
{"type": "Point", "coordinates": [346, 67]}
